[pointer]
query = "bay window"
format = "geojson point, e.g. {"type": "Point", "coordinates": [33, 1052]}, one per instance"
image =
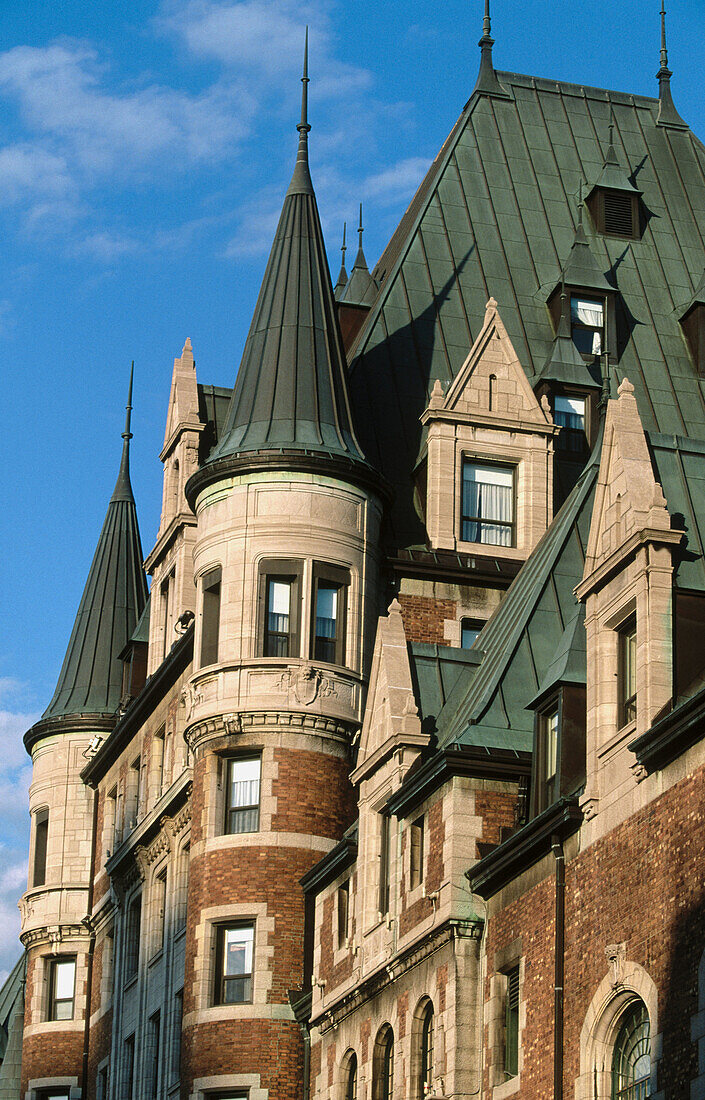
{"type": "Point", "coordinates": [487, 514]}
{"type": "Point", "coordinates": [330, 586]}
{"type": "Point", "coordinates": [280, 596]}
{"type": "Point", "coordinates": [210, 616]}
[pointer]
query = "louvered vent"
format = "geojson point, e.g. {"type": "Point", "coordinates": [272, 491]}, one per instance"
{"type": "Point", "coordinates": [619, 214]}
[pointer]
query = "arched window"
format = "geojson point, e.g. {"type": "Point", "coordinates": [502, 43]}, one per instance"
{"type": "Point", "coordinates": [631, 1055]}
{"type": "Point", "coordinates": [383, 1065]}
{"type": "Point", "coordinates": [350, 1077]}
{"type": "Point", "coordinates": [427, 1035]}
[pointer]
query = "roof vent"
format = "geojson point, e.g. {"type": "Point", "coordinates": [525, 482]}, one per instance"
{"type": "Point", "coordinates": [619, 214]}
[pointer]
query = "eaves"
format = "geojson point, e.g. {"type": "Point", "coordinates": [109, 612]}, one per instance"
{"type": "Point", "coordinates": [671, 735]}
{"type": "Point", "coordinates": [333, 864]}
{"type": "Point", "coordinates": [525, 848]}
{"type": "Point", "coordinates": [470, 761]}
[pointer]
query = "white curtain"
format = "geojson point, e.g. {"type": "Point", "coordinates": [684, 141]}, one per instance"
{"type": "Point", "coordinates": [487, 495]}
{"type": "Point", "coordinates": [591, 314]}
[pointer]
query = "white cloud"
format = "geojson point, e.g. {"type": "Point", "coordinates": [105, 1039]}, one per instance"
{"type": "Point", "coordinates": [266, 38]}
{"type": "Point", "coordinates": [15, 777]}
{"type": "Point", "coordinates": [398, 181]}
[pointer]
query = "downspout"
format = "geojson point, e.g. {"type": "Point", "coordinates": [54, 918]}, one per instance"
{"type": "Point", "coordinates": [91, 949]}
{"type": "Point", "coordinates": [559, 968]}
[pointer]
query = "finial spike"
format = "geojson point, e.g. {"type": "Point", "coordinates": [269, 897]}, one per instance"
{"type": "Point", "coordinates": [486, 23]}
{"type": "Point", "coordinates": [127, 434]}
{"type": "Point", "coordinates": [303, 125]}
{"type": "Point", "coordinates": [344, 247]}
{"type": "Point", "coordinates": [580, 205]}
{"type": "Point", "coordinates": [360, 229]}
{"type": "Point", "coordinates": [664, 50]}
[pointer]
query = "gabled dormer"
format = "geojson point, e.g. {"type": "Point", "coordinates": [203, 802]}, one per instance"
{"type": "Point", "coordinates": [489, 453]}
{"type": "Point", "coordinates": [614, 201]}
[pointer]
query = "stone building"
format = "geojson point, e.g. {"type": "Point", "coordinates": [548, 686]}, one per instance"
{"type": "Point", "coordinates": [392, 787]}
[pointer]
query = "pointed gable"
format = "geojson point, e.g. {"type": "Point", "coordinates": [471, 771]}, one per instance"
{"type": "Point", "coordinates": [492, 380]}
{"type": "Point", "coordinates": [183, 398]}
{"type": "Point", "coordinates": [391, 721]}
{"type": "Point", "coordinates": [628, 497]}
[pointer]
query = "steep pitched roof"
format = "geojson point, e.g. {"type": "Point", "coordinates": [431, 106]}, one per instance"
{"type": "Point", "coordinates": [496, 216]}
{"type": "Point", "coordinates": [11, 1031]}
{"type": "Point", "coordinates": [291, 389]}
{"type": "Point", "coordinates": [111, 605]}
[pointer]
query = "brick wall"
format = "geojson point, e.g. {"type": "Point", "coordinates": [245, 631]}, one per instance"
{"type": "Point", "coordinates": [423, 617]}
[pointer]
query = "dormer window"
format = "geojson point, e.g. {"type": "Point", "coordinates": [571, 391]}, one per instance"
{"type": "Point", "coordinates": [615, 213]}
{"type": "Point", "coordinates": [570, 414]}
{"type": "Point", "coordinates": [587, 325]}
{"type": "Point", "coordinates": [693, 324]}
{"type": "Point", "coordinates": [487, 504]}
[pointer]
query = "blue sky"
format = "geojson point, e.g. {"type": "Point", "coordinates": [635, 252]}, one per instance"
{"type": "Point", "coordinates": [145, 148]}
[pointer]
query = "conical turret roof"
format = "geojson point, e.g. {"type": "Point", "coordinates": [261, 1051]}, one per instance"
{"type": "Point", "coordinates": [111, 605]}
{"type": "Point", "coordinates": [291, 389]}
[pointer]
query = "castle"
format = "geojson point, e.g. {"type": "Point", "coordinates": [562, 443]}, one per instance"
{"type": "Point", "coordinates": [393, 785]}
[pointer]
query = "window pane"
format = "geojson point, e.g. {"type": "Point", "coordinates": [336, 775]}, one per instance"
{"type": "Point", "coordinates": [469, 633]}
{"type": "Point", "coordinates": [238, 951]}
{"type": "Point", "coordinates": [551, 744]}
{"type": "Point", "coordinates": [487, 504]}
{"type": "Point", "coordinates": [243, 796]}
{"type": "Point", "coordinates": [570, 412]}
{"type": "Point", "coordinates": [63, 979]}
{"type": "Point", "coordinates": [278, 617]}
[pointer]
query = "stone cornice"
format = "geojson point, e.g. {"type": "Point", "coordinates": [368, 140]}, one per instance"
{"type": "Point", "coordinates": [54, 935]}
{"type": "Point", "coordinates": [524, 848]}
{"type": "Point", "coordinates": [333, 864]}
{"type": "Point", "coordinates": [219, 725]}
{"type": "Point", "coordinates": [487, 420]}
{"type": "Point", "coordinates": [181, 428]}
{"type": "Point", "coordinates": [398, 966]}
{"type": "Point", "coordinates": [86, 724]}
{"type": "Point", "coordinates": [153, 836]}
{"type": "Point", "coordinates": [181, 519]}
{"type": "Point", "coordinates": [505, 765]}
{"type": "Point", "coordinates": [600, 575]}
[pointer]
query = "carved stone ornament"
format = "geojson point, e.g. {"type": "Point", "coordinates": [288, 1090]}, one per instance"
{"type": "Point", "coordinates": [639, 772]}
{"type": "Point", "coordinates": [616, 954]}
{"type": "Point", "coordinates": [232, 723]}
{"type": "Point", "coordinates": [306, 683]}
{"type": "Point", "coordinates": [190, 698]}
{"type": "Point", "coordinates": [589, 805]}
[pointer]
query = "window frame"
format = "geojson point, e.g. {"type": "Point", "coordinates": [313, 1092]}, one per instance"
{"type": "Point", "coordinates": [575, 293]}
{"type": "Point", "coordinates": [211, 607]}
{"type": "Point", "coordinates": [383, 1064]}
{"type": "Point", "coordinates": [131, 939]}
{"type": "Point", "coordinates": [471, 459]}
{"type": "Point", "coordinates": [53, 1000]}
{"type": "Point", "coordinates": [350, 1076]}
{"type": "Point", "coordinates": [567, 435]}
{"type": "Point", "coordinates": [230, 762]}
{"type": "Point", "coordinates": [342, 900]}
{"type": "Point", "coordinates": [427, 1042]}
{"type": "Point", "coordinates": [626, 672]}
{"type": "Point", "coordinates": [289, 569]}
{"type": "Point", "coordinates": [547, 786]}
{"type": "Point", "coordinates": [41, 843]}
{"type": "Point", "coordinates": [219, 984]}
{"type": "Point", "coordinates": [596, 205]}
{"type": "Point", "coordinates": [632, 1089]}
{"type": "Point", "coordinates": [510, 1034]}
{"type": "Point", "coordinates": [468, 623]}
{"type": "Point", "coordinates": [340, 577]}
{"type": "Point", "coordinates": [385, 864]}
{"type": "Point", "coordinates": [417, 852]}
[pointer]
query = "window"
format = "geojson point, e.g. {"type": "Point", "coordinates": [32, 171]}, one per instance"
{"type": "Point", "coordinates": [416, 852]}
{"type": "Point", "coordinates": [547, 763]}
{"type": "Point", "coordinates": [242, 799]}
{"type": "Point", "coordinates": [587, 323]}
{"type": "Point", "coordinates": [181, 890]}
{"type": "Point", "coordinates": [159, 903]}
{"type": "Point", "coordinates": [511, 1024]}
{"type": "Point", "coordinates": [210, 616]}
{"type": "Point", "coordinates": [627, 673]}
{"type": "Point", "coordinates": [132, 938]}
{"type": "Point", "coordinates": [53, 1094]}
{"type": "Point", "coordinates": [158, 762]}
{"type": "Point", "coordinates": [383, 1065]}
{"type": "Point", "coordinates": [134, 783]}
{"type": "Point", "coordinates": [330, 586]}
{"type": "Point", "coordinates": [426, 1060]}
{"type": "Point", "coordinates": [343, 913]}
{"type": "Point", "coordinates": [110, 834]}
{"type": "Point", "coordinates": [234, 949]}
{"type": "Point", "coordinates": [569, 414]}
{"type": "Point", "coordinates": [41, 834]}
{"type": "Point", "coordinates": [469, 632]}
{"type": "Point", "coordinates": [350, 1084]}
{"type": "Point", "coordinates": [101, 1085]}
{"type": "Point", "coordinates": [153, 1055]}
{"type": "Point", "coordinates": [280, 592]}
{"type": "Point", "coordinates": [488, 504]}
{"type": "Point", "coordinates": [177, 1017]}
{"type": "Point", "coordinates": [62, 982]}
{"type": "Point", "coordinates": [631, 1057]}
{"type": "Point", "coordinates": [385, 840]}
{"type": "Point", "coordinates": [128, 1067]}
{"type": "Point", "coordinates": [167, 594]}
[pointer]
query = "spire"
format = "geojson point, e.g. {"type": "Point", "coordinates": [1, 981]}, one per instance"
{"type": "Point", "coordinates": [342, 274]}
{"type": "Point", "coordinates": [487, 81]}
{"type": "Point", "coordinates": [123, 488]}
{"type": "Point", "coordinates": [613, 177]}
{"type": "Point", "coordinates": [90, 680]}
{"type": "Point", "coordinates": [667, 113]}
{"type": "Point", "coordinates": [362, 289]}
{"type": "Point", "coordinates": [301, 180]}
{"type": "Point", "coordinates": [291, 389]}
